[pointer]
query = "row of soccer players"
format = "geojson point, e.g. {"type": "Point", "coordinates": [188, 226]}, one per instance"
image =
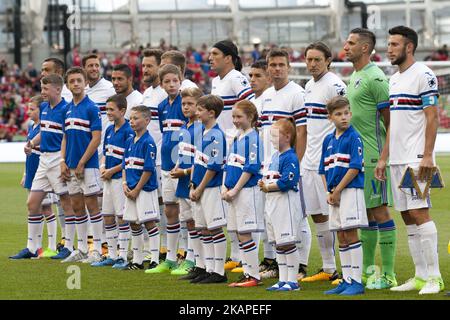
{"type": "Point", "coordinates": [278, 102]}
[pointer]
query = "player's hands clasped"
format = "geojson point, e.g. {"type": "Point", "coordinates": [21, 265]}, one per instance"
{"type": "Point", "coordinates": [79, 170]}
{"type": "Point", "coordinates": [334, 197]}
{"type": "Point", "coordinates": [65, 172]}
{"type": "Point", "coordinates": [106, 174]}
{"type": "Point", "coordinates": [177, 173]}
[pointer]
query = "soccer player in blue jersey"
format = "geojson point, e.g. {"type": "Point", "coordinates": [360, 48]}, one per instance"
{"type": "Point", "coordinates": [188, 134]}
{"type": "Point", "coordinates": [31, 165]}
{"type": "Point", "coordinates": [241, 191]}
{"type": "Point", "coordinates": [210, 212]}
{"type": "Point", "coordinates": [47, 177]}
{"type": "Point", "coordinates": [283, 208]}
{"type": "Point", "coordinates": [140, 186]}
{"type": "Point", "coordinates": [171, 120]}
{"type": "Point", "coordinates": [116, 135]}
{"type": "Point", "coordinates": [342, 167]}
{"type": "Point", "coordinates": [79, 164]}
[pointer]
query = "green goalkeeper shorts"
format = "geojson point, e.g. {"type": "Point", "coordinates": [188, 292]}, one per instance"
{"type": "Point", "coordinates": [376, 193]}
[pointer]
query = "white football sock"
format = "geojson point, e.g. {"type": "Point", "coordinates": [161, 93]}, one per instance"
{"type": "Point", "coordinates": [82, 229]}
{"type": "Point", "coordinates": [250, 253]}
{"type": "Point", "coordinates": [96, 223]}
{"type": "Point", "coordinates": [112, 234]}
{"type": "Point", "coordinates": [304, 247]}
{"type": "Point", "coordinates": [146, 242]}
{"type": "Point", "coordinates": [325, 239]}
{"type": "Point", "coordinates": [154, 238]}
{"type": "Point", "coordinates": [198, 249]}
{"type": "Point", "coordinates": [35, 223]}
{"type": "Point", "coordinates": [429, 242]}
{"type": "Point", "coordinates": [124, 240]}
{"type": "Point", "coordinates": [356, 254]}
{"type": "Point", "coordinates": [415, 248]}
{"type": "Point", "coordinates": [208, 250]}
{"type": "Point", "coordinates": [292, 263]}
{"type": "Point", "coordinates": [137, 243]}
{"type": "Point", "coordinates": [190, 250]}
{"type": "Point", "coordinates": [51, 231]}
{"type": "Point", "coordinates": [173, 233]}
{"type": "Point", "coordinates": [282, 266]}
{"type": "Point", "coordinates": [346, 263]}
{"type": "Point", "coordinates": [220, 252]}
{"type": "Point", "coordinates": [69, 226]}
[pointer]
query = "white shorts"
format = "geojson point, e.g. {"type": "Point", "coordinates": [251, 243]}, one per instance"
{"type": "Point", "coordinates": [186, 210]}
{"type": "Point", "coordinates": [48, 174]}
{"type": "Point", "coordinates": [144, 209]}
{"type": "Point", "coordinates": [406, 199]}
{"type": "Point", "coordinates": [351, 212]}
{"type": "Point", "coordinates": [168, 188]}
{"type": "Point", "coordinates": [283, 214]}
{"type": "Point", "coordinates": [88, 186]}
{"type": "Point", "coordinates": [210, 210]}
{"type": "Point", "coordinates": [245, 212]}
{"type": "Point", "coordinates": [314, 192]}
{"type": "Point", "coordinates": [113, 200]}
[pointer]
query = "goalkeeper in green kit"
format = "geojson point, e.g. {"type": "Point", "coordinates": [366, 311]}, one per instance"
{"type": "Point", "coordinates": [368, 93]}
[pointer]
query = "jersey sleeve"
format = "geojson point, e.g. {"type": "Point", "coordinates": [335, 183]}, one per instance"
{"type": "Point", "coordinates": [428, 89]}
{"type": "Point", "coordinates": [289, 172]}
{"type": "Point", "coordinates": [95, 118]}
{"type": "Point", "coordinates": [149, 157]}
{"type": "Point", "coordinates": [252, 159]}
{"type": "Point", "coordinates": [356, 154]}
{"type": "Point", "coordinates": [298, 109]}
{"type": "Point", "coordinates": [241, 86]}
{"type": "Point", "coordinates": [379, 87]}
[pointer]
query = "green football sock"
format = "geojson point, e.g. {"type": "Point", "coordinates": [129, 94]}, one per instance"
{"type": "Point", "coordinates": [388, 244]}
{"type": "Point", "coordinates": [369, 240]}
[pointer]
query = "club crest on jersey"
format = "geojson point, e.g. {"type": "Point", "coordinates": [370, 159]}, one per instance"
{"type": "Point", "coordinates": [357, 83]}
{"type": "Point", "coordinates": [252, 156]}
{"type": "Point", "coordinates": [340, 90]}
{"type": "Point", "coordinates": [431, 79]}
{"type": "Point", "coordinates": [214, 152]}
{"type": "Point", "coordinates": [152, 155]}
{"type": "Point", "coordinates": [360, 151]}
{"type": "Point", "coordinates": [244, 82]}
{"type": "Point", "coordinates": [291, 176]}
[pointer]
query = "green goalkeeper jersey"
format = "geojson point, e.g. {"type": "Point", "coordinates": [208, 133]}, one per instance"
{"type": "Point", "coordinates": [368, 93]}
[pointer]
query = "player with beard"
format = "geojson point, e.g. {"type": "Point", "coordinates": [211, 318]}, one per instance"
{"type": "Point", "coordinates": [413, 93]}
{"type": "Point", "coordinates": [122, 79]}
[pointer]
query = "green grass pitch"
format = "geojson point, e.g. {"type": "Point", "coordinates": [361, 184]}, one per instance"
{"type": "Point", "coordinates": [46, 279]}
